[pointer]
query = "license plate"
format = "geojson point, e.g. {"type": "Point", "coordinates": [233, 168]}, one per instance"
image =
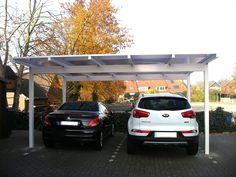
{"type": "Point", "coordinates": [165, 135]}
{"type": "Point", "coordinates": [70, 123]}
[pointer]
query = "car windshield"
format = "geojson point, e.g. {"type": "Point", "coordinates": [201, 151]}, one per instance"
{"type": "Point", "coordinates": [80, 106]}
{"type": "Point", "coordinates": [164, 103]}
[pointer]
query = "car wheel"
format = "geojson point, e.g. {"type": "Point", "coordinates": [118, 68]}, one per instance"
{"type": "Point", "coordinates": [192, 148]}
{"type": "Point", "coordinates": [48, 143]}
{"type": "Point", "coordinates": [112, 129]}
{"type": "Point", "coordinates": [131, 149]}
{"type": "Point", "coordinates": [99, 142]}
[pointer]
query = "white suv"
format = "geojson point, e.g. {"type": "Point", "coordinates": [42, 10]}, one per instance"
{"type": "Point", "coordinates": [163, 119]}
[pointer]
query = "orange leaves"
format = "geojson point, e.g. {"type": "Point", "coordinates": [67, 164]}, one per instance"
{"type": "Point", "coordinates": [55, 91]}
{"type": "Point", "coordinates": [106, 90]}
{"type": "Point", "coordinates": [94, 28]}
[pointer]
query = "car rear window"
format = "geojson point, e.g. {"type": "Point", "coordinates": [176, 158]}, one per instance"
{"type": "Point", "coordinates": [80, 106]}
{"type": "Point", "coordinates": [164, 103]}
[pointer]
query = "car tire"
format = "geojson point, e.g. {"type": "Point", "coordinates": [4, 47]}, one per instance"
{"type": "Point", "coordinates": [48, 143]}
{"type": "Point", "coordinates": [192, 148]}
{"type": "Point", "coordinates": [99, 141]}
{"type": "Point", "coordinates": [131, 149]}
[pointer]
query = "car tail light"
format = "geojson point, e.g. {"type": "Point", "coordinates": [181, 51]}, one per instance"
{"type": "Point", "coordinates": [139, 113]}
{"type": "Point", "coordinates": [47, 121]}
{"type": "Point", "coordinates": [188, 131]}
{"type": "Point", "coordinates": [140, 131]}
{"type": "Point", "coordinates": [94, 122]}
{"type": "Point", "coordinates": [189, 114]}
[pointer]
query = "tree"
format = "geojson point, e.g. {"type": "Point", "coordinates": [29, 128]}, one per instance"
{"type": "Point", "coordinates": [73, 89]}
{"type": "Point", "coordinates": [106, 91]}
{"type": "Point", "coordinates": [83, 28]}
{"type": "Point", "coordinates": [234, 82]}
{"type": "Point", "coordinates": [95, 30]}
{"type": "Point", "coordinates": [214, 95]}
{"type": "Point", "coordinates": [127, 96]}
{"type": "Point", "coordinates": [55, 91]}
{"type": "Point", "coordinates": [7, 31]}
{"type": "Point", "coordinates": [33, 21]}
{"type": "Point", "coordinates": [136, 96]}
{"type": "Point", "coordinates": [87, 28]}
{"type": "Point", "coordinates": [197, 94]}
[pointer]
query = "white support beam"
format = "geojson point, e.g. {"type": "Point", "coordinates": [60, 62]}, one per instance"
{"type": "Point", "coordinates": [208, 59]}
{"type": "Point", "coordinates": [31, 109]}
{"type": "Point", "coordinates": [26, 62]}
{"type": "Point", "coordinates": [171, 59]}
{"type": "Point", "coordinates": [64, 90]}
{"type": "Point", "coordinates": [127, 77]}
{"type": "Point", "coordinates": [188, 89]}
{"type": "Point", "coordinates": [206, 111]}
{"type": "Point", "coordinates": [131, 62]}
{"type": "Point", "coordinates": [143, 68]}
{"type": "Point", "coordinates": [98, 63]}
{"type": "Point", "coordinates": [87, 75]}
{"type": "Point", "coordinates": [59, 62]}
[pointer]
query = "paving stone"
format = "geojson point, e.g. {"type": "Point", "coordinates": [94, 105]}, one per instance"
{"type": "Point", "coordinates": [73, 160]}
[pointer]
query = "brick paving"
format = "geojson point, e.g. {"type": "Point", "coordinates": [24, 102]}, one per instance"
{"type": "Point", "coordinates": [73, 160]}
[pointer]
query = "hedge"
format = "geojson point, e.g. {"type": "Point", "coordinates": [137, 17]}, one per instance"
{"type": "Point", "coordinates": [218, 121]}
{"type": "Point", "coordinates": [20, 120]}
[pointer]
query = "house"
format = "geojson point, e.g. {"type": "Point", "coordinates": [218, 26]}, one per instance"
{"type": "Point", "coordinates": [40, 96]}
{"type": "Point", "coordinates": [214, 85]}
{"type": "Point", "coordinates": [160, 85]}
{"type": "Point", "coordinates": [39, 92]}
{"type": "Point", "coordinates": [227, 88]}
{"type": "Point", "coordinates": [228, 92]}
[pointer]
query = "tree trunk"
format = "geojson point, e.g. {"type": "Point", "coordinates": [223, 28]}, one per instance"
{"type": "Point", "coordinates": [18, 87]}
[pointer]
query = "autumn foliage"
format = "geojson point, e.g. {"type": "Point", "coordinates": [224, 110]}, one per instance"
{"type": "Point", "coordinates": [101, 91]}
{"type": "Point", "coordinates": [87, 27]}
{"type": "Point", "coordinates": [94, 28]}
{"type": "Point", "coordinates": [55, 91]}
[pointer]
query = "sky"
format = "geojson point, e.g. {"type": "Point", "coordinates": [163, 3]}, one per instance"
{"type": "Point", "coordinates": [179, 27]}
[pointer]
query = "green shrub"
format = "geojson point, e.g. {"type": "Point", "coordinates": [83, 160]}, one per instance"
{"type": "Point", "coordinates": [20, 120]}
{"type": "Point", "coordinates": [218, 121]}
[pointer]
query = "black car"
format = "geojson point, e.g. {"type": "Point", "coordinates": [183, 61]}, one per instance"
{"type": "Point", "coordinates": [78, 121]}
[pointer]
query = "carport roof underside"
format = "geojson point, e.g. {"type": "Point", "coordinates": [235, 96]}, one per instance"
{"type": "Point", "coordinates": [118, 67]}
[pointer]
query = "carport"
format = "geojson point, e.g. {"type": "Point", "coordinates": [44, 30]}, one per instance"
{"type": "Point", "coordinates": [118, 67]}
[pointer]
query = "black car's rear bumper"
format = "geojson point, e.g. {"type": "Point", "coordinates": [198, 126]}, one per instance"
{"type": "Point", "coordinates": [150, 139]}
{"type": "Point", "coordinates": [75, 135]}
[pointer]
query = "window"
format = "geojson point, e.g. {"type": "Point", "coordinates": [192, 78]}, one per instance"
{"type": "Point", "coordinates": [80, 106]}
{"type": "Point", "coordinates": [164, 103]}
{"type": "Point", "coordinates": [143, 89]}
{"type": "Point", "coordinates": [161, 88]}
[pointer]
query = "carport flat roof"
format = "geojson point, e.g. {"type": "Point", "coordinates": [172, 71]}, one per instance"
{"type": "Point", "coordinates": [118, 67]}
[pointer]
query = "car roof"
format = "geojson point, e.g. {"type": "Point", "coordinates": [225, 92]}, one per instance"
{"type": "Point", "coordinates": [162, 95]}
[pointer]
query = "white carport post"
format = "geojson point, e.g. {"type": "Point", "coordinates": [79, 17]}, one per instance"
{"type": "Point", "coordinates": [188, 89]}
{"type": "Point", "coordinates": [206, 110]}
{"type": "Point", "coordinates": [64, 90]}
{"type": "Point", "coordinates": [31, 109]}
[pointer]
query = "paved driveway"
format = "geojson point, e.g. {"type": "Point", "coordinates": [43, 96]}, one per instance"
{"type": "Point", "coordinates": [68, 160]}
